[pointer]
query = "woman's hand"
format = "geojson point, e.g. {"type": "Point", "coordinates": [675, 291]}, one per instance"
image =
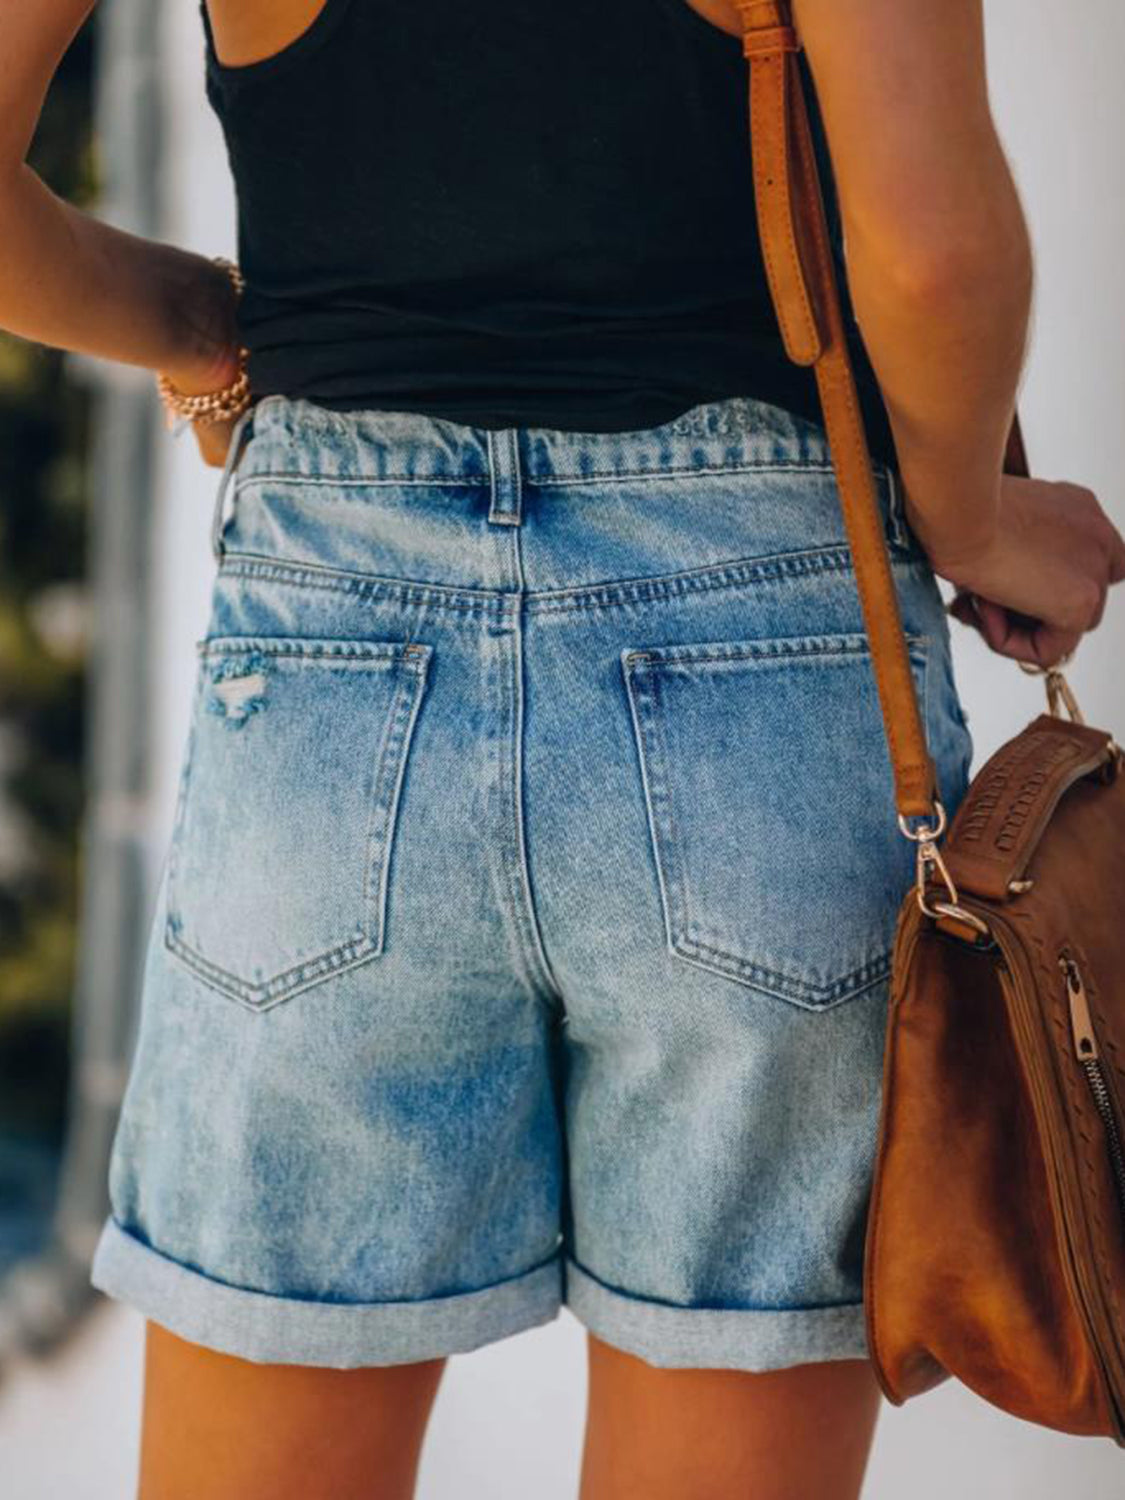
{"type": "Point", "coordinates": [214, 440]}
{"type": "Point", "coordinates": [210, 373]}
{"type": "Point", "coordinates": [1040, 582]}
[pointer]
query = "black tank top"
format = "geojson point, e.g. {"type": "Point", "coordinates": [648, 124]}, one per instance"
{"type": "Point", "coordinates": [519, 213]}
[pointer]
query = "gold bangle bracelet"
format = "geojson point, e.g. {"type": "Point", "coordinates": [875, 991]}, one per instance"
{"type": "Point", "coordinates": [206, 407]}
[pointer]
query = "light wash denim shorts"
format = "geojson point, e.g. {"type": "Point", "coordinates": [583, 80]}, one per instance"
{"type": "Point", "coordinates": [524, 933]}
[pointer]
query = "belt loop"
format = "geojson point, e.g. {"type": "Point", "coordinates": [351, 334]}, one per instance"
{"type": "Point", "coordinates": [234, 452]}
{"type": "Point", "coordinates": [895, 511]}
{"type": "Point", "coordinates": [504, 469]}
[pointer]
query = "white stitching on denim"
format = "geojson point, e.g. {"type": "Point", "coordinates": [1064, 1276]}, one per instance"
{"type": "Point", "coordinates": [413, 659]}
{"type": "Point", "coordinates": [636, 663]}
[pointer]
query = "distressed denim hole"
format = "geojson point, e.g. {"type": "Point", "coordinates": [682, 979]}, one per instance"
{"type": "Point", "coordinates": [289, 797]}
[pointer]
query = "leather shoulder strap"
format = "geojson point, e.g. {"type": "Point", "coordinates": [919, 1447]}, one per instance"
{"type": "Point", "coordinates": [798, 258]}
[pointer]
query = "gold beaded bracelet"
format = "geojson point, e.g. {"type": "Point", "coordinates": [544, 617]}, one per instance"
{"type": "Point", "coordinates": [210, 406]}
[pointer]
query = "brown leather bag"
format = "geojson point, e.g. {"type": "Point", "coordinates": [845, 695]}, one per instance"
{"type": "Point", "coordinates": [995, 1247]}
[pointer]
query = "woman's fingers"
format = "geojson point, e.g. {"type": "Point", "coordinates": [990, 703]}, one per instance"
{"type": "Point", "coordinates": [1116, 556]}
{"type": "Point", "coordinates": [1045, 581]}
{"type": "Point", "coordinates": [961, 607]}
{"type": "Point", "coordinates": [1014, 635]}
{"type": "Point", "coordinates": [214, 440]}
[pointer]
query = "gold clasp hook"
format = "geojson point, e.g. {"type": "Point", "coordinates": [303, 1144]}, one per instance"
{"type": "Point", "coordinates": [928, 859]}
{"type": "Point", "coordinates": [1058, 689]}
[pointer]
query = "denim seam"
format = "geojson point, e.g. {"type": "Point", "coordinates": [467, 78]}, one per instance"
{"type": "Point", "coordinates": [556, 479]}
{"type": "Point", "coordinates": [320, 480]}
{"type": "Point", "coordinates": [172, 853]}
{"type": "Point", "coordinates": [689, 471]}
{"type": "Point", "coordinates": [512, 851]}
{"type": "Point", "coordinates": [174, 1264]}
{"type": "Point", "coordinates": [412, 661]}
{"type": "Point", "coordinates": [773, 569]}
{"type": "Point", "coordinates": [310, 576]}
{"type": "Point", "coordinates": [689, 1307]}
{"type": "Point", "coordinates": [778, 568]}
{"type": "Point", "coordinates": [347, 652]}
{"type": "Point", "coordinates": [729, 574]}
{"type": "Point", "coordinates": [672, 878]}
{"type": "Point", "coordinates": [655, 792]}
{"type": "Point", "coordinates": [784, 986]}
{"type": "Point", "coordinates": [925, 710]}
{"type": "Point", "coordinates": [895, 512]}
{"type": "Point", "coordinates": [385, 799]}
{"type": "Point", "coordinates": [263, 997]}
{"type": "Point", "coordinates": [664, 828]}
{"type": "Point", "coordinates": [769, 648]}
{"type": "Point", "coordinates": [676, 884]}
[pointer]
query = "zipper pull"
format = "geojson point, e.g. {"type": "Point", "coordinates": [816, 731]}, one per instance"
{"type": "Point", "coordinates": [1082, 1027]}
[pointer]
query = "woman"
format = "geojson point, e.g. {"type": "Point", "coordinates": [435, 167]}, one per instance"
{"type": "Point", "coordinates": [524, 935]}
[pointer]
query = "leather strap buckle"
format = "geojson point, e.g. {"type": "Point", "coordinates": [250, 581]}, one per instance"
{"type": "Point", "coordinates": [765, 40]}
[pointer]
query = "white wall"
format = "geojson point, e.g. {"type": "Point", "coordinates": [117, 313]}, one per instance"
{"type": "Point", "coordinates": [1056, 88]}
{"type": "Point", "coordinates": [508, 1421]}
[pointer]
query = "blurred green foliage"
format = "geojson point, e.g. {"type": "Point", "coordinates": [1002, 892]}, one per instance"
{"type": "Point", "coordinates": [44, 426]}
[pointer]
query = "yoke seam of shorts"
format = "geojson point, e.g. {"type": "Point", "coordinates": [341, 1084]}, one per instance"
{"type": "Point", "coordinates": [729, 574]}
{"type": "Point", "coordinates": [316, 575]}
{"type": "Point", "coordinates": [775, 567]}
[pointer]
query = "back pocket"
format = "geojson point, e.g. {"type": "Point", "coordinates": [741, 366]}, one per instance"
{"type": "Point", "coordinates": [771, 809]}
{"type": "Point", "coordinates": [288, 799]}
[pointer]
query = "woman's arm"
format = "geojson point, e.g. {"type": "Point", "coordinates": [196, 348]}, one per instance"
{"type": "Point", "coordinates": [939, 259]}
{"type": "Point", "coordinates": [940, 271]}
{"type": "Point", "coordinates": [72, 282]}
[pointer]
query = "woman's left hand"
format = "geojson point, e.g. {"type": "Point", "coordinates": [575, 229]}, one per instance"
{"type": "Point", "coordinates": [214, 440]}
{"type": "Point", "coordinates": [213, 437]}
{"type": "Point", "coordinates": [211, 332]}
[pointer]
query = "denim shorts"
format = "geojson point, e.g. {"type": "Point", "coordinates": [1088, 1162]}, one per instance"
{"type": "Point", "coordinates": [523, 936]}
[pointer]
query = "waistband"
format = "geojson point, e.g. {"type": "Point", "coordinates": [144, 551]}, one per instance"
{"type": "Point", "coordinates": [316, 441]}
{"type": "Point", "coordinates": [293, 437]}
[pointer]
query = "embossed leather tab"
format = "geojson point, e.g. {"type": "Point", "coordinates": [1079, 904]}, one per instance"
{"type": "Point", "coordinates": [1009, 804]}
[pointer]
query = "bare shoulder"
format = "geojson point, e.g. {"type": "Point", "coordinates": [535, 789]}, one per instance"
{"type": "Point", "coordinates": [247, 31]}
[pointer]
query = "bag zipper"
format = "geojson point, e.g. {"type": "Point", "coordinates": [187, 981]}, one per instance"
{"type": "Point", "coordinates": [1086, 1286]}
{"type": "Point", "coordinates": [1086, 1051]}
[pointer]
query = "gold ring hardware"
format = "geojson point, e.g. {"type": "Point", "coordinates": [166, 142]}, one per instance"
{"type": "Point", "coordinates": [947, 909]}
{"type": "Point", "coordinates": [925, 833]}
{"type": "Point", "coordinates": [929, 859]}
{"type": "Point", "coordinates": [1058, 689]}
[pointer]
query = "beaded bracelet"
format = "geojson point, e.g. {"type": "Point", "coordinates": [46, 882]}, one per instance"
{"type": "Point", "coordinates": [210, 406]}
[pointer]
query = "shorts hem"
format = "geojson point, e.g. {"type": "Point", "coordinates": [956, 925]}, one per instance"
{"type": "Point", "coordinates": [677, 1337]}
{"type": "Point", "coordinates": [271, 1329]}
